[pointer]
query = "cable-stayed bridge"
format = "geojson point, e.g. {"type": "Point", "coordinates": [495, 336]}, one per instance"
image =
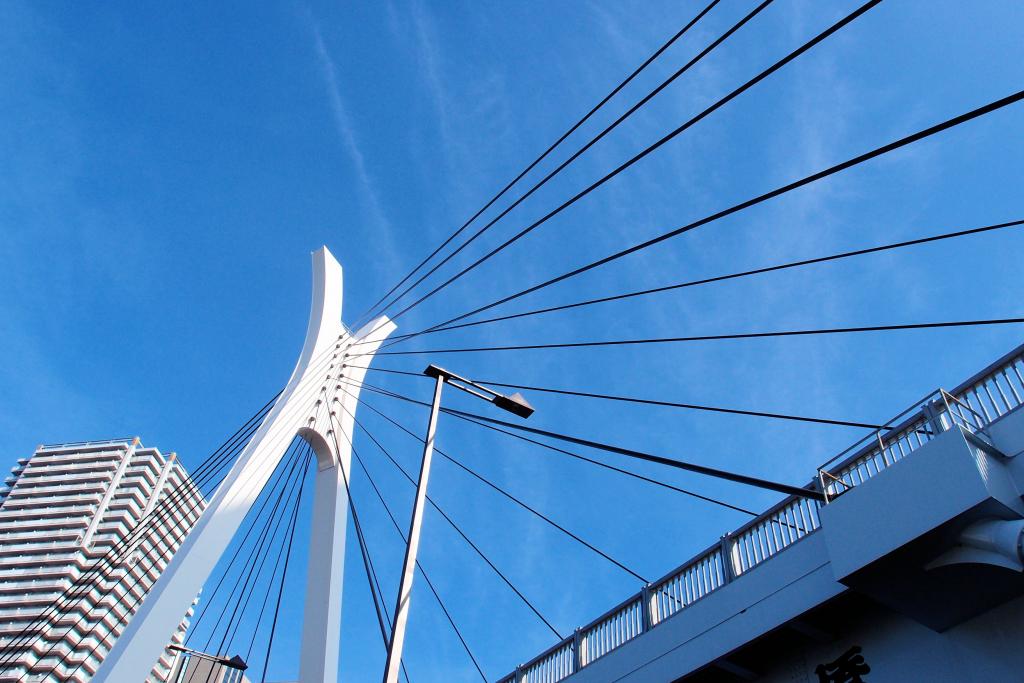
{"type": "Point", "coordinates": [922, 518]}
{"type": "Point", "coordinates": [910, 538]}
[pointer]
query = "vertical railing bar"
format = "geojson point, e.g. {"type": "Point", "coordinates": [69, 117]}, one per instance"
{"type": "Point", "coordinates": [777, 532]}
{"type": "Point", "coordinates": [749, 551]}
{"type": "Point", "coordinates": [872, 464]}
{"type": "Point", "coordinates": [1002, 394]}
{"type": "Point", "coordinates": [995, 406]}
{"type": "Point", "coordinates": [807, 516]}
{"type": "Point", "coordinates": [791, 523]}
{"type": "Point", "coordinates": [1013, 389]}
{"type": "Point", "coordinates": [885, 459]}
{"type": "Point", "coordinates": [698, 582]}
{"type": "Point", "coordinates": [1016, 371]}
{"type": "Point", "coordinates": [960, 410]}
{"type": "Point", "coordinates": [991, 399]}
{"type": "Point", "coordinates": [612, 633]}
{"type": "Point", "coordinates": [981, 404]}
{"type": "Point", "coordinates": [786, 528]}
{"type": "Point", "coordinates": [778, 527]}
{"type": "Point", "coordinates": [981, 420]}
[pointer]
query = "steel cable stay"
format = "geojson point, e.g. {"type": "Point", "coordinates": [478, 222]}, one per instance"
{"type": "Point", "coordinates": [496, 488]}
{"type": "Point", "coordinates": [657, 53]}
{"type": "Point", "coordinates": [143, 558]}
{"type": "Point", "coordinates": [971, 115]}
{"type": "Point", "coordinates": [243, 588]}
{"type": "Point", "coordinates": [558, 169]}
{"type": "Point", "coordinates": [409, 477]}
{"type": "Point", "coordinates": [271, 486]}
{"type": "Point", "coordinates": [468, 470]}
{"type": "Point", "coordinates": [280, 593]}
{"type": "Point", "coordinates": [474, 546]}
{"type": "Point", "coordinates": [260, 551]}
{"type": "Point", "coordinates": [211, 470]}
{"type": "Point", "coordinates": [466, 417]}
{"type": "Point", "coordinates": [134, 602]}
{"type": "Point", "coordinates": [714, 337]}
{"type": "Point", "coordinates": [376, 593]}
{"type": "Point", "coordinates": [845, 21]}
{"type": "Point", "coordinates": [289, 482]}
{"type": "Point", "coordinates": [437, 596]}
{"type": "Point", "coordinates": [139, 539]}
{"type": "Point", "coordinates": [273, 573]}
{"type": "Point", "coordinates": [302, 482]}
{"type": "Point", "coordinates": [571, 454]}
{"type": "Point", "coordinates": [618, 450]}
{"type": "Point", "coordinates": [215, 471]}
{"type": "Point", "coordinates": [419, 566]}
{"type": "Point", "coordinates": [170, 503]}
{"type": "Point", "coordinates": [720, 278]}
{"type": "Point", "coordinates": [656, 402]}
{"type": "Point", "coordinates": [576, 456]}
{"type": "Point", "coordinates": [158, 515]}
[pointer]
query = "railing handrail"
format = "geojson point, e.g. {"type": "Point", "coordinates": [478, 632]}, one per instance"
{"type": "Point", "coordinates": [694, 559]}
{"type": "Point", "coordinates": [101, 442]}
{"type": "Point", "coordinates": [983, 374]}
{"type": "Point", "coordinates": [867, 443]}
{"type": "Point", "coordinates": [614, 610]}
{"type": "Point", "coordinates": [568, 640]}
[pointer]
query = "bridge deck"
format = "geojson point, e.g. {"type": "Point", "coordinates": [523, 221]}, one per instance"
{"type": "Point", "coordinates": [972, 407]}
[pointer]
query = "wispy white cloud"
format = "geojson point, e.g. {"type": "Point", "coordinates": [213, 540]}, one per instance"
{"type": "Point", "coordinates": [430, 58]}
{"type": "Point", "coordinates": [349, 138]}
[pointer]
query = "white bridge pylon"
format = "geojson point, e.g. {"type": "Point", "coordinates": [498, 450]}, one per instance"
{"type": "Point", "coordinates": [313, 407]}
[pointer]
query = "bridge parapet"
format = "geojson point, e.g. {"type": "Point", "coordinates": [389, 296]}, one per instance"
{"type": "Point", "coordinates": [972, 407]}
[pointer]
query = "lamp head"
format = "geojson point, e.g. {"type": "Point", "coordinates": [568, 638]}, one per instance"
{"type": "Point", "coordinates": [515, 404]}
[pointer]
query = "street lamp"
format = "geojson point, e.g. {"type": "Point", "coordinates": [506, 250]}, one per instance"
{"type": "Point", "coordinates": [514, 404]}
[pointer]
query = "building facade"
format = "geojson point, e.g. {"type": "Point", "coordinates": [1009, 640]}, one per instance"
{"type": "Point", "coordinates": [63, 511]}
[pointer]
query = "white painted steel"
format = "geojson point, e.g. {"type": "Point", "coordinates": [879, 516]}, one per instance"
{"type": "Point", "coordinates": [394, 659]}
{"type": "Point", "coordinates": [302, 409]}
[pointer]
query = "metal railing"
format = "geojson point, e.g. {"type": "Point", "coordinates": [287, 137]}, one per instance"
{"type": "Point", "coordinates": [972, 407]}
{"type": "Point", "coordinates": [127, 440]}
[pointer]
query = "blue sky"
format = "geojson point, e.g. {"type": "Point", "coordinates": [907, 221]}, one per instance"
{"type": "Point", "coordinates": [166, 173]}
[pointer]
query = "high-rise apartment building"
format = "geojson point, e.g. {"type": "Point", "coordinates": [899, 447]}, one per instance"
{"type": "Point", "coordinates": [61, 511]}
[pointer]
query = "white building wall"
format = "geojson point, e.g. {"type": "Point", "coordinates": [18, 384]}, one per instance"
{"type": "Point", "coordinates": [60, 512]}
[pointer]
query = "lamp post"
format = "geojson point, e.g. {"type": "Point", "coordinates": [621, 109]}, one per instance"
{"type": "Point", "coordinates": [514, 404]}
